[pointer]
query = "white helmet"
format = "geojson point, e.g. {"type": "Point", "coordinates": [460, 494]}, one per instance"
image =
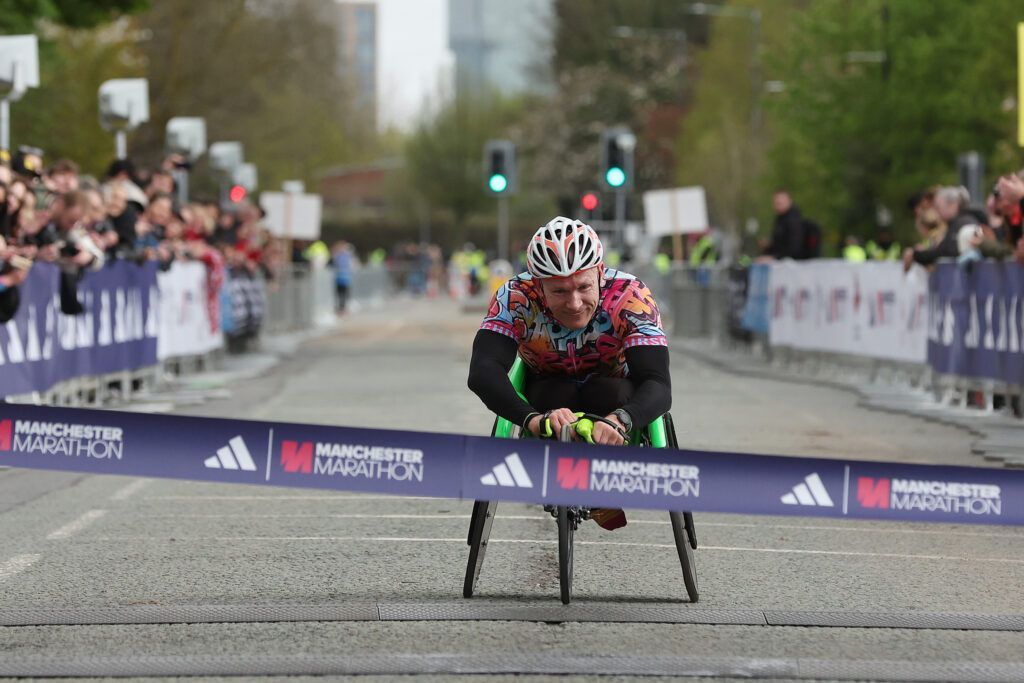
{"type": "Point", "coordinates": [563, 247]}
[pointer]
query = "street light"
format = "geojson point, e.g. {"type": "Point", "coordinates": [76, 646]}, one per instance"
{"type": "Point", "coordinates": [124, 105]}
{"type": "Point", "coordinates": [19, 71]}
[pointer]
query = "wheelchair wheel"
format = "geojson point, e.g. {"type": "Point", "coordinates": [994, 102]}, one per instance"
{"type": "Point", "coordinates": [565, 534]}
{"type": "Point", "coordinates": [683, 530]}
{"type": "Point", "coordinates": [566, 527]}
{"type": "Point", "coordinates": [685, 550]}
{"type": "Point", "coordinates": [479, 533]}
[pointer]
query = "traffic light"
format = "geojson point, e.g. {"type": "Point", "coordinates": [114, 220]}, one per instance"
{"type": "Point", "coordinates": [617, 145]}
{"type": "Point", "coordinates": [589, 201]}
{"type": "Point", "coordinates": [237, 193]}
{"type": "Point", "coordinates": [500, 167]}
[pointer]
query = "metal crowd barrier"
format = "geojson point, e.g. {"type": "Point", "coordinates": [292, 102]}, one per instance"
{"type": "Point", "coordinates": [706, 309]}
{"type": "Point", "coordinates": [303, 296]}
{"type": "Point", "coordinates": [693, 300]}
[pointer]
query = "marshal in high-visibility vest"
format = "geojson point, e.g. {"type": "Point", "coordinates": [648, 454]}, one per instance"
{"type": "Point", "coordinates": [705, 252]}
{"type": "Point", "coordinates": [877, 252]}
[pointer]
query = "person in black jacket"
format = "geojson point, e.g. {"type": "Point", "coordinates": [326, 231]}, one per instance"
{"type": "Point", "coordinates": [789, 234]}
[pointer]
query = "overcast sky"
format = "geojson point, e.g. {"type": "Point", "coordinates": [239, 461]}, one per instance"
{"type": "Point", "coordinates": [414, 62]}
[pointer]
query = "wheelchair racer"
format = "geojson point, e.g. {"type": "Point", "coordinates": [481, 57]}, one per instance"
{"type": "Point", "coordinates": [590, 337]}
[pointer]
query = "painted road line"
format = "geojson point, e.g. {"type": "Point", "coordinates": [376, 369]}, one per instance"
{"type": "Point", "coordinates": [72, 528]}
{"type": "Point", "coordinates": [126, 492]}
{"type": "Point", "coordinates": [540, 517]}
{"type": "Point", "coordinates": [534, 541]}
{"type": "Point", "coordinates": [16, 565]}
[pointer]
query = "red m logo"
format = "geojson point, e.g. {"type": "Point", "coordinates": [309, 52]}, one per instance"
{"type": "Point", "coordinates": [5, 435]}
{"type": "Point", "coordinates": [297, 456]}
{"type": "Point", "coordinates": [873, 493]}
{"type": "Point", "coordinates": [573, 474]}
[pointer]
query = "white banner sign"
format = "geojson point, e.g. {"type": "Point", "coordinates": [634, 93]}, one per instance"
{"type": "Point", "coordinates": [679, 210]}
{"type": "Point", "coordinates": [185, 325]}
{"type": "Point", "coordinates": [865, 309]}
{"type": "Point", "coordinates": [292, 215]}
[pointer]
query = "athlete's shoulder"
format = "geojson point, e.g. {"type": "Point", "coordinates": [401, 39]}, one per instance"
{"type": "Point", "coordinates": [625, 283]}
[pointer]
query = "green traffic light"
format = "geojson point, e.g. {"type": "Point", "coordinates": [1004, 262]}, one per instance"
{"type": "Point", "coordinates": [615, 177]}
{"type": "Point", "coordinates": [497, 183]}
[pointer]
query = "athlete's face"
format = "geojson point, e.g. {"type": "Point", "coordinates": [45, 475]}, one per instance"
{"type": "Point", "coordinates": [573, 299]}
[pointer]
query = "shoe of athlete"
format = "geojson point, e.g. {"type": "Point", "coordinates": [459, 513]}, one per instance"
{"type": "Point", "coordinates": [608, 518]}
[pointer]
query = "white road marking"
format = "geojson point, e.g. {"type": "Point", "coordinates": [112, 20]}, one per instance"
{"type": "Point", "coordinates": [16, 564]}
{"type": "Point", "coordinates": [423, 539]}
{"type": "Point", "coordinates": [126, 492]}
{"type": "Point", "coordinates": [71, 528]}
{"type": "Point", "coordinates": [539, 517]}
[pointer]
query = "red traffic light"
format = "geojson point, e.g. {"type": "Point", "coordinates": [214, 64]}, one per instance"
{"type": "Point", "coordinates": [237, 193]}
{"type": "Point", "coordinates": [589, 201]}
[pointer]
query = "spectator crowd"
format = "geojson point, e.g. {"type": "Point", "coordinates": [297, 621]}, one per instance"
{"type": "Point", "coordinates": [58, 215]}
{"type": "Point", "coordinates": [947, 225]}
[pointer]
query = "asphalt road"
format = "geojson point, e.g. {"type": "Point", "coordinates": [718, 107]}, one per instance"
{"type": "Point", "coordinates": [107, 550]}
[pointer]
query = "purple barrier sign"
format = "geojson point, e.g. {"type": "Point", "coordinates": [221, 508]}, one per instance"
{"type": "Point", "coordinates": [117, 331]}
{"type": "Point", "coordinates": [976, 325]}
{"type": "Point", "coordinates": [529, 470]}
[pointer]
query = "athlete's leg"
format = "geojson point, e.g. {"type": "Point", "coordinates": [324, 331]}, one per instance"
{"type": "Point", "coordinates": [551, 393]}
{"type": "Point", "coordinates": [602, 395]}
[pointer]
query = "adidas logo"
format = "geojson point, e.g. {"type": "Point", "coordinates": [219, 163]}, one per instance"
{"type": "Point", "coordinates": [809, 492]}
{"type": "Point", "coordinates": [234, 456]}
{"type": "Point", "coordinates": [508, 473]}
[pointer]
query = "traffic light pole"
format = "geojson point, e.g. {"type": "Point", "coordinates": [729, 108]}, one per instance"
{"type": "Point", "coordinates": [620, 220]}
{"type": "Point", "coordinates": [503, 227]}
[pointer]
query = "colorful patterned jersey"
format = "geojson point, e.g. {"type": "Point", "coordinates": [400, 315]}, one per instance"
{"type": "Point", "coordinates": [626, 316]}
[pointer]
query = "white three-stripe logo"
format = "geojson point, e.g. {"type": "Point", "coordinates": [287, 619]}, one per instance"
{"type": "Point", "coordinates": [809, 492]}
{"type": "Point", "coordinates": [508, 473]}
{"type": "Point", "coordinates": [234, 456]}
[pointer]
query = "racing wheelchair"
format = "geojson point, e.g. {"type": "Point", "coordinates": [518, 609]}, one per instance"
{"type": "Point", "coordinates": [658, 434]}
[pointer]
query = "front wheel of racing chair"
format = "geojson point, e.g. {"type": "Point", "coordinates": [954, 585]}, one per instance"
{"type": "Point", "coordinates": [682, 522]}
{"type": "Point", "coordinates": [479, 533]}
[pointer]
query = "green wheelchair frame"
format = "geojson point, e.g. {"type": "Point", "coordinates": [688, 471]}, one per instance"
{"type": "Point", "coordinates": [658, 434]}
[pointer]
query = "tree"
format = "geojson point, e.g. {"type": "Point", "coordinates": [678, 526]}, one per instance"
{"type": "Point", "coordinates": [853, 134]}
{"type": "Point", "coordinates": [614, 62]}
{"type": "Point", "coordinates": [263, 72]}
{"type": "Point", "coordinates": [23, 16]}
{"type": "Point", "coordinates": [722, 143]}
{"type": "Point", "coordinates": [444, 156]}
{"type": "Point", "coordinates": [61, 115]}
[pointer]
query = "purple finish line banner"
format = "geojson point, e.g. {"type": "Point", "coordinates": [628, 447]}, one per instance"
{"type": "Point", "coordinates": [531, 471]}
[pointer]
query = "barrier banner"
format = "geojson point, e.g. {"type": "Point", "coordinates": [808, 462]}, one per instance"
{"type": "Point", "coordinates": [527, 470]}
{"type": "Point", "coordinates": [976, 321]}
{"type": "Point", "coordinates": [41, 346]}
{"type": "Point", "coordinates": [185, 325]}
{"type": "Point", "coordinates": [247, 302]}
{"type": "Point", "coordinates": [869, 309]}
{"type": "Point", "coordinates": [756, 312]}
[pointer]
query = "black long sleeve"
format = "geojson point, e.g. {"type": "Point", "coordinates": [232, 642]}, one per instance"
{"type": "Point", "coordinates": [493, 356]}
{"type": "Point", "coordinates": [648, 368]}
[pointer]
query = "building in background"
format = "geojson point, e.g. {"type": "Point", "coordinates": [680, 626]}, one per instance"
{"type": "Point", "coordinates": [498, 44]}
{"type": "Point", "coordinates": [357, 57]}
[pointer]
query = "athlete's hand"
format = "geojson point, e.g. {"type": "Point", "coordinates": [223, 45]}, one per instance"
{"type": "Point", "coordinates": [558, 418]}
{"type": "Point", "coordinates": [606, 435]}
